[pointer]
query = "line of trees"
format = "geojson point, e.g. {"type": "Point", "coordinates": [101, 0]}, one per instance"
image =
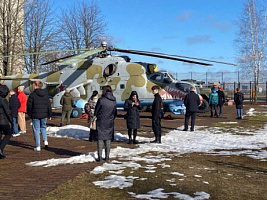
{"type": "Point", "coordinates": [251, 39]}
{"type": "Point", "coordinates": [35, 26]}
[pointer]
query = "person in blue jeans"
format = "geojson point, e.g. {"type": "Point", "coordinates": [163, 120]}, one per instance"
{"type": "Point", "coordinates": [39, 109]}
{"type": "Point", "coordinates": [239, 99]}
{"type": "Point", "coordinates": [14, 105]}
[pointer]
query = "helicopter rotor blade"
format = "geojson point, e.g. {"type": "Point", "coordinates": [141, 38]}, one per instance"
{"type": "Point", "coordinates": [58, 59]}
{"type": "Point", "coordinates": [84, 55]}
{"type": "Point", "coordinates": [42, 52]}
{"type": "Point", "coordinates": [201, 59]}
{"type": "Point", "coordinates": [169, 56]}
{"type": "Point", "coordinates": [153, 54]}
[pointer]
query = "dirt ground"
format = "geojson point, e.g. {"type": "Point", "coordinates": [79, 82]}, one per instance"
{"type": "Point", "coordinates": [19, 181]}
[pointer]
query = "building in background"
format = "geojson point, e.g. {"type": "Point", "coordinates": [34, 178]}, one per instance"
{"type": "Point", "coordinates": [11, 36]}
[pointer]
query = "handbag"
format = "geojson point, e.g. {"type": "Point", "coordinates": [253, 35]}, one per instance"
{"type": "Point", "coordinates": [93, 123]}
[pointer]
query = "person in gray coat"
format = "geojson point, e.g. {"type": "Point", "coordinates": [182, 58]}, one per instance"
{"type": "Point", "coordinates": [132, 106]}
{"type": "Point", "coordinates": [105, 111]}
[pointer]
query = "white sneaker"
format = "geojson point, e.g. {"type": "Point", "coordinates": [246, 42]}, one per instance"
{"type": "Point", "coordinates": [37, 149]}
{"type": "Point", "coordinates": [22, 132]}
{"type": "Point", "coordinates": [46, 144]}
{"type": "Point", "coordinates": [15, 134]}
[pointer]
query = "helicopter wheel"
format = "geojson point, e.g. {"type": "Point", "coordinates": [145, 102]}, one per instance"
{"type": "Point", "coordinates": [76, 113]}
{"type": "Point", "coordinates": [204, 107]}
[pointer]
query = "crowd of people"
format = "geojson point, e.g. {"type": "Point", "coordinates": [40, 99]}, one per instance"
{"type": "Point", "coordinates": [38, 108]}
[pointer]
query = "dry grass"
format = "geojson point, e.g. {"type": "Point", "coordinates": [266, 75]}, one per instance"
{"type": "Point", "coordinates": [223, 177]}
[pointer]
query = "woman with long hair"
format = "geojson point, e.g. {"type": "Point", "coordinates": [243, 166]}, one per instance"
{"type": "Point", "coordinates": [92, 103]}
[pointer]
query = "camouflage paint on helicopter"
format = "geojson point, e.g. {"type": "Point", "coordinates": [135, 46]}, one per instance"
{"type": "Point", "coordinates": [95, 68]}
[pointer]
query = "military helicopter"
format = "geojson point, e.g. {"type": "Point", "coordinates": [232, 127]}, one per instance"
{"type": "Point", "coordinates": [93, 69]}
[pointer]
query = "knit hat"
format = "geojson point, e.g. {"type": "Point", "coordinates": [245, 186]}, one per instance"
{"type": "Point", "coordinates": [220, 88]}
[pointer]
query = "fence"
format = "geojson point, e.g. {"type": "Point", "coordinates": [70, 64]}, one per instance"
{"type": "Point", "coordinates": [230, 81]}
{"type": "Point", "coordinates": [211, 77]}
{"type": "Point", "coordinates": [248, 89]}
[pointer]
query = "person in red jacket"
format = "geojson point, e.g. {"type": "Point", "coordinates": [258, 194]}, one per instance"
{"type": "Point", "coordinates": [22, 110]}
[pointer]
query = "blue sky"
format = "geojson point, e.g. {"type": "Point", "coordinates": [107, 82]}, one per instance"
{"type": "Point", "coordinates": [195, 28]}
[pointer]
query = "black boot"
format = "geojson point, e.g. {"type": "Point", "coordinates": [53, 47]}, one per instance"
{"type": "Point", "coordinates": [159, 139]}
{"type": "Point", "coordinates": [134, 136]}
{"type": "Point", "coordinates": [2, 155]}
{"type": "Point", "coordinates": [155, 141]}
{"type": "Point", "coordinates": [130, 136]}
{"type": "Point", "coordinates": [130, 140]}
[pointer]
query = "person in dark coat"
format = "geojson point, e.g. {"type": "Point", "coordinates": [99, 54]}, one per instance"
{"type": "Point", "coordinates": [14, 105]}
{"type": "Point", "coordinates": [156, 114]}
{"type": "Point", "coordinates": [105, 111]}
{"type": "Point", "coordinates": [132, 106]}
{"type": "Point", "coordinates": [191, 102]}
{"type": "Point", "coordinates": [39, 109]}
{"type": "Point", "coordinates": [221, 99]}
{"type": "Point", "coordinates": [5, 120]}
{"type": "Point", "coordinates": [239, 99]}
{"type": "Point", "coordinates": [67, 102]}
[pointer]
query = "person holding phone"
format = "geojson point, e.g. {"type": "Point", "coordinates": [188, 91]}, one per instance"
{"type": "Point", "coordinates": [132, 106]}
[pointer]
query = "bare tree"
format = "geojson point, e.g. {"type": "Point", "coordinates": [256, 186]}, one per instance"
{"type": "Point", "coordinates": [251, 39]}
{"type": "Point", "coordinates": [40, 32]}
{"type": "Point", "coordinates": [82, 26]}
{"type": "Point", "coordinates": [11, 36]}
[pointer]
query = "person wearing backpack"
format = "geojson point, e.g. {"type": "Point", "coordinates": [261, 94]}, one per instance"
{"type": "Point", "coordinates": [238, 99]}
{"type": "Point", "coordinates": [90, 110]}
{"type": "Point", "coordinates": [213, 103]}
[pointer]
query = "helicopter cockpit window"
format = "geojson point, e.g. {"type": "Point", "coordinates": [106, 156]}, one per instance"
{"type": "Point", "coordinates": [183, 86]}
{"type": "Point", "coordinates": [156, 77]}
{"type": "Point", "coordinates": [110, 70]}
{"type": "Point", "coordinates": [167, 78]}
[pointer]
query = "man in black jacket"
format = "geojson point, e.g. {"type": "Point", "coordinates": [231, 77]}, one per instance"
{"type": "Point", "coordinates": [5, 120]}
{"type": "Point", "coordinates": [39, 109]}
{"type": "Point", "coordinates": [221, 99]}
{"type": "Point", "coordinates": [156, 114]}
{"type": "Point", "coordinates": [191, 102]}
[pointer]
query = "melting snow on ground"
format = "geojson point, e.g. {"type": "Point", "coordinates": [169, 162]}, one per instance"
{"type": "Point", "coordinates": [177, 142]}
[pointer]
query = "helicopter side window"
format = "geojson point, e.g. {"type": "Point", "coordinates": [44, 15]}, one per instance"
{"type": "Point", "coordinates": [167, 79]}
{"type": "Point", "coordinates": [156, 77]}
{"type": "Point", "coordinates": [109, 70]}
{"type": "Point", "coordinates": [122, 86]}
{"type": "Point", "coordinates": [183, 86]}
